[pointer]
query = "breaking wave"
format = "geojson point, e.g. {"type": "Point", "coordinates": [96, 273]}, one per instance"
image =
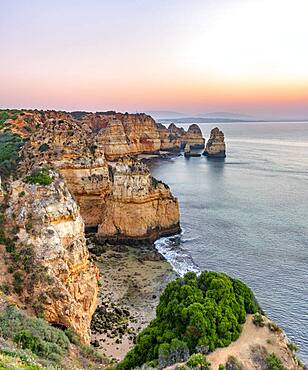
{"type": "Point", "coordinates": [170, 248]}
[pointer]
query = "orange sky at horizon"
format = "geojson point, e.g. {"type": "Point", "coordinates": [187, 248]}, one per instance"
{"type": "Point", "coordinates": [245, 56]}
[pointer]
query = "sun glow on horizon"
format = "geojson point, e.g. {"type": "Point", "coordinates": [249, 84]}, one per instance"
{"type": "Point", "coordinates": [239, 55]}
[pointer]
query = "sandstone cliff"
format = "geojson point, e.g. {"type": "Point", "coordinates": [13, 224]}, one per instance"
{"type": "Point", "coordinates": [119, 199]}
{"type": "Point", "coordinates": [215, 147]}
{"type": "Point", "coordinates": [53, 273]}
{"type": "Point", "coordinates": [118, 134]}
{"type": "Point", "coordinates": [193, 137]}
{"type": "Point", "coordinates": [139, 207]}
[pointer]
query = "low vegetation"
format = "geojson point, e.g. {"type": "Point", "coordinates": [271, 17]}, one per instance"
{"type": "Point", "coordinates": [293, 347]}
{"type": "Point", "coordinates": [233, 363]}
{"type": "Point", "coordinates": [32, 343]}
{"type": "Point", "coordinates": [198, 361]}
{"type": "Point", "coordinates": [34, 334]}
{"type": "Point", "coordinates": [258, 320]}
{"type": "Point", "coordinates": [273, 362]}
{"type": "Point", "coordinates": [4, 115]}
{"type": "Point", "coordinates": [195, 314]}
{"type": "Point", "coordinates": [10, 144]}
{"type": "Point", "coordinates": [39, 176]}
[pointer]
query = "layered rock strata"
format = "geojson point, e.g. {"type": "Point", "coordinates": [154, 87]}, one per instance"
{"type": "Point", "coordinates": [193, 137]}
{"type": "Point", "coordinates": [139, 207]}
{"type": "Point", "coordinates": [215, 147]}
{"type": "Point", "coordinates": [118, 134]}
{"type": "Point", "coordinates": [119, 198]}
{"type": "Point", "coordinates": [58, 277]}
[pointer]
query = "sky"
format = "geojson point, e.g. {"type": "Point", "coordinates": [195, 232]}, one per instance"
{"type": "Point", "coordinates": [196, 56]}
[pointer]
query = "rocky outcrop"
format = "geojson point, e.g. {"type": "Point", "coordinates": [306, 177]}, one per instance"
{"type": "Point", "coordinates": [168, 140]}
{"type": "Point", "coordinates": [117, 134]}
{"type": "Point", "coordinates": [124, 134]}
{"type": "Point", "coordinates": [215, 147]}
{"type": "Point", "coordinates": [194, 137]}
{"type": "Point", "coordinates": [58, 279]}
{"type": "Point", "coordinates": [139, 207]}
{"type": "Point", "coordinates": [119, 198]}
{"type": "Point", "coordinates": [89, 182]}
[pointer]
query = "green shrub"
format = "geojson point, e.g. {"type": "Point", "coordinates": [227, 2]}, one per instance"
{"type": "Point", "coordinates": [274, 362]}
{"type": "Point", "coordinates": [274, 327]}
{"type": "Point", "coordinates": [4, 115]}
{"type": "Point", "coordinates": [293, 347]}
{"type": "Point", "coordinates": [233, 363]}
{"type": "Point", "coordinates": [10, 145]}
{"type": "Point", "coordinates": [33, 333]}
{"type": "Point", "coordinates": [44, 147]}
{"type": "Point", "coordinates": [5, 288]}
{"type": "Point", "coordinates": [40, 177]}
{"type": "Point", "coordinates": [28, 341]}
{"type": "Point", "coordinates": [258, 320]}
{"type": "Point", "coordinates": [202, 312]}
{"type": "Point", "coordinates": [169, 354]}
{"type": "Point", "coordinates": [18, 280]}
{"type": "Point", "coordinates": [198, 361]}
{"type": "Point", "coordinates": [221, 367]}
{"type": "Point", "coordinates": [12, 358]}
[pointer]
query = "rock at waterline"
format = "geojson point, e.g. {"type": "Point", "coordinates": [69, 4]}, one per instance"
{"type": "Point", "coordinates": [215, 147]}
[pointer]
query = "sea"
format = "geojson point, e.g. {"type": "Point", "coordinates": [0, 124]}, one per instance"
{"type": "Point", "coordinates": [247, 216]}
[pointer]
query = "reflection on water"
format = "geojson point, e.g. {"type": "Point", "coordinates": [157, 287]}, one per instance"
{"type": "Point", "coordinates": [248, 217]}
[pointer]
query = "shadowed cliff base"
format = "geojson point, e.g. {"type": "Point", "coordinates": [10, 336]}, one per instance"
{"type": "Point", "coordinates": [144, 240]}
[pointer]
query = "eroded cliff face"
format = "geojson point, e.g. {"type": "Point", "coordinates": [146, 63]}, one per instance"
{"type": "Point", "coordinates": [50, 254]}
{"type": "Point", "coordinates": [193, 137]}
{"type": "Point", "coordinates": [126, 134]}
{"type": "Point", "coordinates": [118, 134]}
{"type": "Point", "coordinates": [118, 198]}
{"type": "Point", "coordinates": [216, 147]}
{"type": "Point", "coordinates": [139, 207]}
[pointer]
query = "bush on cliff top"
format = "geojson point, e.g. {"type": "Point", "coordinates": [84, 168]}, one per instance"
{"type": "Point", "coordinates": [204, 312]}
{"type": "Point", "coordinates": [4, 115]}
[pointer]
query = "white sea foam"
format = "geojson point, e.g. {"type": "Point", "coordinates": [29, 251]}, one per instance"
{"type": "Point", "coordinates": [180, 261]}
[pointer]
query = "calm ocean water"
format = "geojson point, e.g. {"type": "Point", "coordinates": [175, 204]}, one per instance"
{"type": "Point", "coordinates": [248, 217]}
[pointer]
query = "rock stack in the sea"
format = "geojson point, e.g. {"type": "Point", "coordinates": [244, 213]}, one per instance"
{"type": "Point", "coordinates": [215, 147]}
{"type": "Point", "coordinates": [193, 137]}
